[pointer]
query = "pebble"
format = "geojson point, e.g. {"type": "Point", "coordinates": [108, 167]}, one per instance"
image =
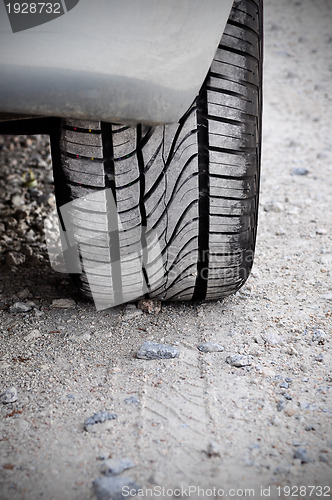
{"type": "Point", "coordinates": [9, 396]}
{"type": "Point", "coordinates": [14, 259]}
{"type": "Point", "coordinates": [131, 311]}
{"type": "Point", "coordinates": [63, 303]}
{"type": "Point", "coordinates": [34, 334]}
{"type": "Point", "coordinates": [17, 201]}
{"type": "Point", "coordinates": [281, 405]}
{"type": "Point", "coordinates": [239, 360]}
{"type": "Point", "coordinates": [82, 337]}
{"type": "Point", "coordinates": [131, 401]}
{"type": "Point", "coordinates": [152, 350]}
{"type": "Point", "coordinates": [321, 231]}
{"type": "Point", "coordinates": [112, 467]}
{"type": "Point", "coordinates": [213, 449]}
{"type": "Point", "coordinates": [24, 294]}
{"type": "Point", "coordinates": [319, 336]}
{"type": "Point", "coordinates": [273, 207]}
{"type": "Point", "coordinates": [291, 410]}
{"type": "Point", "coordinates": [210, 347]}
{"type": "Point", "coordinates": [98, 418]}
{"type": "Point", "coordinates": [268, 372]}
{"type": "Point", "coordinates": [301, 453]}
{"type": "Point", "coordinates": [309, 428]}
{"type": "Point", "coordinates": [254, 446]}
{"type": "Point", "coordinates": [282, 470]}
{"type": "Point", "coordinates": [304, 405]}
{"type": "Point", "coordinates": [273, 339]}
{"type": "Point", "coordinates": [20, 307]}
{"type": "Point", "coordinates": [300, 171]}
{"type": "Point", "coordinates": [284, 385]}
{"type": "Point", "coordinates": [114, 488]}
{"type": "Point", "coordinates": [149, 306]}
{"type": "Point", "coordinates": [4, 365]}
{"type": "Point", "coordinates": [323, 458]}
{"type": "Point", "coordinates": [292, 351]}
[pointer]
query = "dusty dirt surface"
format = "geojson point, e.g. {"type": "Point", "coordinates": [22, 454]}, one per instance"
{"type": "Point", "coordinates": [195, 420]}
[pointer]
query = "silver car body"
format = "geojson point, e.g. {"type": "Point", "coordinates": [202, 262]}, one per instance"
{"type": "Point", "coordinates": [124, 61]}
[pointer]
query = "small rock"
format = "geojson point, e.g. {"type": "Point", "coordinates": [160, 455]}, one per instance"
{"type": "Point", "coordinates": [287, 396]}
{"type": "Point", "coordinates": [323, 458]}
{"type": "Point", "coordinates": [290, 410]}
{"type": "Point", "coordinates": [284, 385]}
{"type": "Point", "coordinates": [63, 303]}
{"type": "Point", "coordinates": [210, 347]}
{"type": "Point", "coordinates": [49, 178]}
{"type": "Point", "coordinates": [82, 337]}
{"type": "Point", "coordinates": [321, 231]}
{"type": "Point", "coordinates": [273, 339]}
{"type": "Point", "coordinates": [281, 405]}
{"type": "Point", "coordinates": [34, 334]}
{"type": "Point", "coordinates": [301, 453]}
{"type": "Point", "coordinates": [131, 311]}
{"type": "Point", "coordinates": [304, 405]}
{"type": "Point", "coordinates": [150, 306]}
{"type": "Point", "coordinates": [152, 350]}
{"type": "Point", "coordinates": [20, 307]}
{"type": "Point", "coordinates": [268, 372]}
{"type": "Point", "coordinates": [319, 336]}
{"type": "Point", "coordinates": [273, 206]}
{"type": "Point", "coordinates": [9, 396]}
{"type": "Point", "coordinates": [239, 360]}
{"type": "Point", "coordinates": [292, 351]}
{"type": "Point", "coordinates": [17, 201]}
{"type": "Point", "coordinates": [8, 466]}
{"type": "Point", "coordinates": [319, 358]}
{"type": "Point", "coordinates": [23, 294]}
{"type": "Point", "coordinates": [114, 488]}
{"type": "Point", "coordinates": [282, 470]}
{"type": "Point", "coordinates": [11, 222]}
{"type": "Point", "coordinates": [300, 171]}
{"type": "Point", "coordinates": [112, 467]}
{"type": "Point", "coordinates": [254, 446]}
{"type": "Point", "coordinates": [310, 428]}
{"type": "Point", "coordinates": [98, 418]}
{"type": "Point", "coordinates": [51, 200]}
{"type": "Point", "coordinates": [4, 365]}
{"type": "Point", "coordinates": [14, 259]}
{"type": "Point", "coordinates": [131, 401]}
{"type": "Point", "coordinates": [213, 449]}
{"type": "Point", "coordinates": [275, 421]}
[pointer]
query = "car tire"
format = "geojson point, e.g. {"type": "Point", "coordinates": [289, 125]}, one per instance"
{"type": "Point", "coordinates": [185, 194]}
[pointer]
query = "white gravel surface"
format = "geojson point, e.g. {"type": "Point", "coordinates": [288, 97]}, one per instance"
{"type": "Point", "coordinates": [261, 420]}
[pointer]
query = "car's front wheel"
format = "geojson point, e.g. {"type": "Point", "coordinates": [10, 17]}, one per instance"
{"type": "Point", "coordinates": [183, 198]}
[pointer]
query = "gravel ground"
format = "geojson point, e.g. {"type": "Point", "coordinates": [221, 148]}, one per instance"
{"type": "Point", "coordinates": [83, 416]}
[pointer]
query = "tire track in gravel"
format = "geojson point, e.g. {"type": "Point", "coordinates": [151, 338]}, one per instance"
{"type": "Point", "coordinates": [166, 441]}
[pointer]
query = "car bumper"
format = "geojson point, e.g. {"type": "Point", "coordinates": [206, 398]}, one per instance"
{"type": "Point", "coordinates": [139, 61]}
